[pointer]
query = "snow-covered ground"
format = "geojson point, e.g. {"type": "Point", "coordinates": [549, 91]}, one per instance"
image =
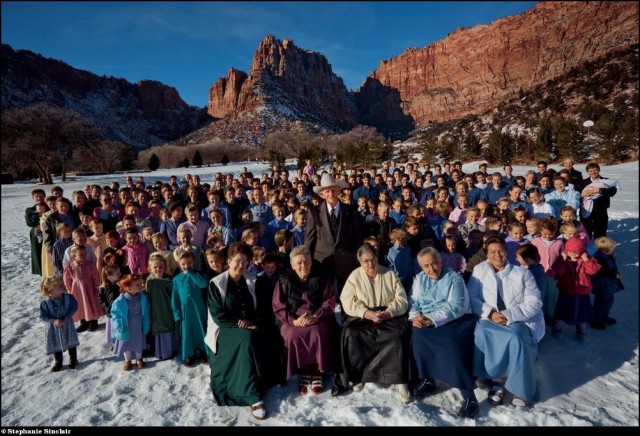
{"type": "Point", "coordinates": [583, 384]}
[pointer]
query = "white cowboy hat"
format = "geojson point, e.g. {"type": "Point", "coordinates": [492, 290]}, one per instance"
{"type": "Point", "coordinates": [328, 181]}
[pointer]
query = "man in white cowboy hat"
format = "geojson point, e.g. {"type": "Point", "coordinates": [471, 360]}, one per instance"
{"type": "Point", "coordinates": [333, 232]}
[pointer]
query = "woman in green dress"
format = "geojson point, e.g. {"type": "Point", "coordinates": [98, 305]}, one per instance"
{"type": "Point", "coordinates": [245, 355]}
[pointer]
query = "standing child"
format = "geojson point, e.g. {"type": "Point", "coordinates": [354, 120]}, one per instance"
{"type": "Point", "coordinates": [514, 240]}
{"type": "Point", "coordinates": [81, 279]}
{"type": "Point", "coordinates": [574, 300]}
{"type": "Point", "coordinates": [137, 252]}
{"type": "Point", "coordinates": [170, 226]}
{"type": "Point", "coordinates": [459, 214]}
{"type": "Point", "coordinates": [483, 208]}
{"type": "Point", "coordinates": [159, 289]}
{"type": "Point", "coordinates": [107, 294]}
{"type": "Point", "coordinates": [300, 229]}
{"type": "Point", "coordinates": [63, 242]}
{"type": "Point", "coordinates": [277, 224]}
{"type": "Point", "coordinates": [381, 227]}
{"type": "Point", "coordinates": [255, 265]}
{"type": "Point", "coordinates": [197, 226]}
{"type": "Point", "coordinates": [98, 242]}
{"type": "Point", "coordinates": [284, 242]}
{"type": "Point", "coordinates": [452, 260]}
{"type": "Point", "coordinates": [471, 223]}
{"type": "Point", "coordinates": [250, 237]}
{"type": "Point", "coordinates": [184, 238]}
{"type": "Point", "coordinates": [568, 214]}
{"type": "Point", "coordinates": [549, 247]}
{"type": "Point", "coordinates": [57, 311]}
{"type": "Point", "coordinates": [160, 242]}
{"type": "Point", "coordinates": [527, 255]}
{"type": "Point", "coordinates": [539, 209]}
{"type": "Point", "coordinates": [147, 233]}
{"type": "Point", "coordinates": [606, 282]}
{"type": "Point", "coordinates": [399, 258]}
{"type": "Point", "coordinates": [131, 320]}
{"type": "Point", "coordinates": [533, 228]}
{"type": "Point", "coordinates": [397, 212]}
{"type": "Point", "coordinates": [188, 308]}
{"type": "Point", "coordinates": [215, 262]}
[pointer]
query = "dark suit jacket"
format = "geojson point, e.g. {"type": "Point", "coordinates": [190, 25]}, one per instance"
{"type": "Point", "coordinates": [336, 257]}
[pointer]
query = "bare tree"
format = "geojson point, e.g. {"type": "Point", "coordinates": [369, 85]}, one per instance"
{"type": "Point", "coordinates": [44, 138]}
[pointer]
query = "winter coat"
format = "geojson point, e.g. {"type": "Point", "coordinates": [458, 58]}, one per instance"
{"type": "Point", "coordinates": [573, 277]}
{"type": "Point", "coordinates": [521, 296]}
{"type": "Point", "coordinates": [357, 296]}
{"type": "Point", "coordinates": [120, 317]}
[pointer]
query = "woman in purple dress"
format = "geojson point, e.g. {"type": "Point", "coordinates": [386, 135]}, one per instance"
{"type": "Point", "coordinates": [305, 305]}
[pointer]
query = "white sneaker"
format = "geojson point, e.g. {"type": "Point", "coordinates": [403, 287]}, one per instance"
{"type": "Point", "coordinates": [359, 387]}
{"type": "Point", "coordinates": [519, 402]}
{"type": "Point", "coordinates": [258, 410]}
{"type": "Point", "coordinates": [403, 392]}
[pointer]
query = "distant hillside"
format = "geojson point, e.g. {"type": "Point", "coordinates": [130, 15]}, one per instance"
{"type": "Point", "coordinates": [475, 69]}
{"type": "Point", "coordinates": [603, 90]}
{"type": "Point", "coordinates": [139, 115]}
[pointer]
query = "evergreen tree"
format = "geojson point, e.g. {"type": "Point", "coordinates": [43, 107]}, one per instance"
{"type": "Point", "coordinates": [225, 159]}
{"type": "Point", "coordinates": [544, 141]}
{"type": "Point", "coordinates": [197, 159]}
{"type": "Point", "coordinates": [473, 146]}
{"type": "Point", "coordinates": [499, 146]}
{"type": "Point", "coordinates": [569, 139]}
{"type": "Point", "coordinates": [154, 162]}
{"type": "Point", "coordinates": [276, 157]}
{"type": "Point", "coordinates": [185, 163]}
{"type": "Point", "coordinates": [430, 147]}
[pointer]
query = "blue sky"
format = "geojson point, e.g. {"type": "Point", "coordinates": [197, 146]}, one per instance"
{"type": "Point", "coordinates": [189, 45]}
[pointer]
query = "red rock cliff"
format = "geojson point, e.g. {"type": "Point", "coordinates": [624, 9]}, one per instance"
{"type": "Point", "coordinates": [471, 70]}
{"type": "Point", "coordinates": [295, 82]}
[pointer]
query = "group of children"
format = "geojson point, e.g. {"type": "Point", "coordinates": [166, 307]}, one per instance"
{"type": "Point", "coordinates": [148, 272]}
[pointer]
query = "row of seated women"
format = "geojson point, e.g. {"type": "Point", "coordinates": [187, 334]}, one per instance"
{"type": "Point", "coordinates": [448, 332]}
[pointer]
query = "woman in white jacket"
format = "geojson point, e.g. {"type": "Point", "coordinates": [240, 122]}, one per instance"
{"type": "Point", "coordinates": [507, 300]}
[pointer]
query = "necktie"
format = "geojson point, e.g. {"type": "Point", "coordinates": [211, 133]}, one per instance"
{"type": "Point", "coordinates": [334, 217]}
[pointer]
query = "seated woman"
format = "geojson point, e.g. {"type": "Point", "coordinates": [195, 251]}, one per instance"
{"type": "Point", "coordinates": [442, 334]}
{"type": "Point", "coordinates": [305, 306]}
{"type": "Point", "coordinates": [507, 300]}
{"type": "Point", "coordinates": [375, 333]}
{"type": "Point", "coordinates": [245, 359]}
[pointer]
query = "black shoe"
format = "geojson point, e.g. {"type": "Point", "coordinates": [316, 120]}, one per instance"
{"type": "Point", "coordinates": [610, 321]}
{"type": "Point", "coordinates": [83, 326]}
{"type": "Point", "coordinates": [73, 363]}
{"type": "Point", "coordinates": [424, 388]}
{"type": "Point", "coordinates": [57, 366]}
{"type": "Point", "coordinates": [597, 325]}
{"type": "Point", "coordinates": [93, 325]}
{"type": "Point", "coordinates": [469, 408]}
{"type": "Point", "coordinates": [337, 390]}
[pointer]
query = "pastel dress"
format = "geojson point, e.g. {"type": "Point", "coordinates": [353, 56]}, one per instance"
{"type": "Point", "coordinates": [162, 322]}
{"type": "Point", "coordinates": [131, 321]}
{"type": "Point", "coordinates": [189, 311]}
{"type": "Point", "coordinates": [58, 339]}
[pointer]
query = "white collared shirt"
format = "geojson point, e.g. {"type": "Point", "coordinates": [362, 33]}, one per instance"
{"type": "Point", "coordinates": [337, 208]}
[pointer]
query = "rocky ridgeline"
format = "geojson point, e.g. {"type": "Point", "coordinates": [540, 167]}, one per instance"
{"type": "Point", "coordinates": [141, 115]}
{"type": "Point", "coordinates": [474, 69]}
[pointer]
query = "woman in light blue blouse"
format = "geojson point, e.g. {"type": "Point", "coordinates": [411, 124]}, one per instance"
{"type": "Point", "coordinates": [442, 332]}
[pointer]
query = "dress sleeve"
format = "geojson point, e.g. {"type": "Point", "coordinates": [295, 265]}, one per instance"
{"type": "Point", "coordinates": [279, 304]}
{"type": "Point", "coordinates": [216, 308]}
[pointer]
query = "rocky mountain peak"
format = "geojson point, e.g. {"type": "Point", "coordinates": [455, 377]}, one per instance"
{"type": "Point", "coordinates": [299, 84]}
